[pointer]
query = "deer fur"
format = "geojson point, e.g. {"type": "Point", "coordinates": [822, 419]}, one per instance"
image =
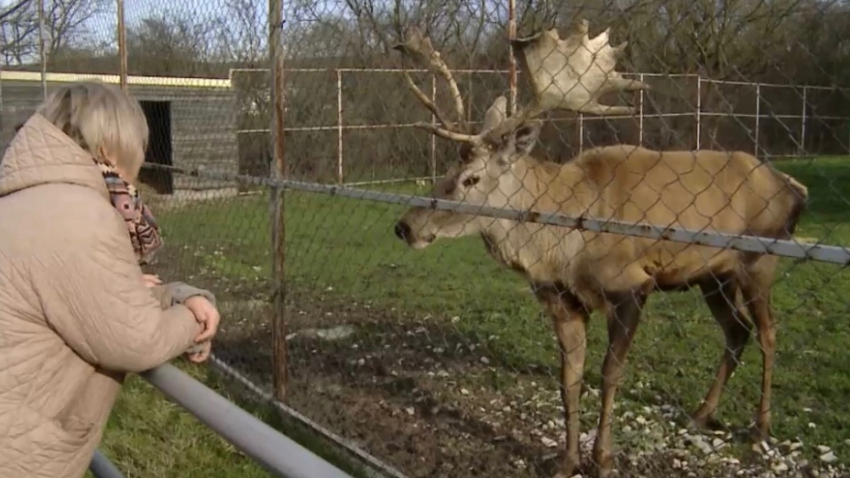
{"type": "Point", "coordinates": [574, 272]}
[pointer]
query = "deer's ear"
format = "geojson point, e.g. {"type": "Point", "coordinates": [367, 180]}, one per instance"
{"type": "Point", "coordinates": [495, 114]}
{"type": "Point", "coordinates": [512, 146]}
{"type": "Point", "coordinates": [525, 137]}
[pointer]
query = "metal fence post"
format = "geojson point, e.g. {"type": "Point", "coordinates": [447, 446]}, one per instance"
{"type": "Point", "coordinates": [758, 117]}
{"type": "Point", "coordinates": [339, 163]}
{"type": "Point", "coordinates": [699, 110]}
{"type": "Point", "coordinates": [580, 133]}
{"type": "Point", "coordinates": [802, 144]}
{"type": "Point", "coordinates": [640, 112]}
{"type": "Point", "coordinates": [280, 354]}
{"type": "Point", "coordinates": [433, 161]}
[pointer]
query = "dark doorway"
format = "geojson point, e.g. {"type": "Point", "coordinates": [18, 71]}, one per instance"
{"type": "Point", "coordinates": [158, 114]}
{"type": "Point", "coordinates": [254, 156]}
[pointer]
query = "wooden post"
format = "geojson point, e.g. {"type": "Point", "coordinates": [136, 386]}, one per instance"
{"type": "Point", "coordinates": [122, 46]}
{"type": "Point", "coordinates": [42, 51]}
{"type": "Point", "coordinates": [280, 354]}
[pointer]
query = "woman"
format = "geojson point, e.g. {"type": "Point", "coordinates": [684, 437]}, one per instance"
{"type": "Point", "coordinates": [76, 311]}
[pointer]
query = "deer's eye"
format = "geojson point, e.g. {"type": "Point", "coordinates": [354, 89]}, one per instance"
{"type": "Point", "coordinates": [470, 181]}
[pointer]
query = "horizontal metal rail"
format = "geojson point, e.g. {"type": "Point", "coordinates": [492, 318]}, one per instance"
{"type": "Point", "coordinates": [273, 451]}
{"type": "Point", "coordinates": [101, 467]}
{"type": "Point", "coordinates": [746, 243]}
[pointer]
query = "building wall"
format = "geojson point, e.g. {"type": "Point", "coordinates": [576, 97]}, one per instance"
{"type": "Point", "coordinates": [203, 124]}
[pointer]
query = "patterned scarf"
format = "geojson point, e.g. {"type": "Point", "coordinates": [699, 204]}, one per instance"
{"type": "Point", "coordinates": [141, 224]}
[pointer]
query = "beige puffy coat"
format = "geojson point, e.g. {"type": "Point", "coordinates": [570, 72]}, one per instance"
{"type": "Point", "coordinates": [75, 314]}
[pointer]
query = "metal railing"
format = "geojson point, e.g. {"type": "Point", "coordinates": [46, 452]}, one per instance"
{"type": "Point", "coordinates": [273, 451]}
{"type": "Point", "coordinates": [701, 85]}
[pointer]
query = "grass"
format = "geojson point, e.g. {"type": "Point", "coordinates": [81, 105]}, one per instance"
{"type": "Point", "coordinates": [347, 247]}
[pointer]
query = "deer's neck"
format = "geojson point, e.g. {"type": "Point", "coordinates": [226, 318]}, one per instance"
{"type": "Point", "coordinates": [539, 252]}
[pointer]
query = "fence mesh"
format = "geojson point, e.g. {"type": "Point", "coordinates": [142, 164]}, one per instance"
{"type": "Point", "coordinates": [442, 361]}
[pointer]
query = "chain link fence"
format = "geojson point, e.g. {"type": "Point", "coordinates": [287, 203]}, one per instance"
{"type": "Point", "coordinates": [442, 361]}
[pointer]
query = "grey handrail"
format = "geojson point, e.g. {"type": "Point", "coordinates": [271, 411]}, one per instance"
{"type": "Point", "coordinates": [275, 452]}
{"type": "Point", "coordinates": [101, 467]}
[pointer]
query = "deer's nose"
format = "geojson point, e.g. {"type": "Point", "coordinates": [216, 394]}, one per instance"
{"type": "Point", "coordinates": [402, 230]}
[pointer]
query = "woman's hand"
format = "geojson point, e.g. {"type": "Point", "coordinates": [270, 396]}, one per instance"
{"type": "Point", "coordinates": [152, 280]}
{"type": "Point", "coordinates": [206, 315]}
{"type": "Point", "coordinates": [202, 354]}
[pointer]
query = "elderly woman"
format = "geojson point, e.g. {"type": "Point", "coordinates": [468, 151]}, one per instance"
{"type": "Point", "coordinates": [76, 311]}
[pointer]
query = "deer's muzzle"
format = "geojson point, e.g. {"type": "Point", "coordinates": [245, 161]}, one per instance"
{"type": "Point", "coordinates": [404, 232]}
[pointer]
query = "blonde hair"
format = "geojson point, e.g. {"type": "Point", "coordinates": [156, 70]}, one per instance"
{"type": "Point", "coordinates": [100, 117]}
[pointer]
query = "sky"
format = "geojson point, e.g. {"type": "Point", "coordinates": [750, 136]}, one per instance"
{"type": "Point", "coordinates": [101, 28]}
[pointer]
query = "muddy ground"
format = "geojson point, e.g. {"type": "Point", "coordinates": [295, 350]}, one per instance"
{"type": "Point", "coordinates": [432, 403]}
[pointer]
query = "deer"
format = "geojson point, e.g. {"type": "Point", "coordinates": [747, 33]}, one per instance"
{"type": "Point", "coordinates": [576, 271]}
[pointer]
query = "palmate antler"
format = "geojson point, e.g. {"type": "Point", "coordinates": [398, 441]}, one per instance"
{"type": "Point", "coordinates": [567, 74]}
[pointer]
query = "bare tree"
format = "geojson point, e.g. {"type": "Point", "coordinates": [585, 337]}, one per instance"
{"type": "Point", "coordinates": [171, 44]}
{"type": "Point", "coordinates": [66, 21]}
{"type": "Point", "coordinates": [19, 30]}
{"type": "Point", "coordinates": [65, 25]}
{"type": "Point", "coordinates": [242, 38]}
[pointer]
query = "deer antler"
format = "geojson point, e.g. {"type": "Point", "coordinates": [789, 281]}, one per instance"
{"type": "Point", "coordinates": [569, 74]}
{"type": "Point", "coordinates": [573, 73]}
{"type": "Point", "coordinates": [419, 46]}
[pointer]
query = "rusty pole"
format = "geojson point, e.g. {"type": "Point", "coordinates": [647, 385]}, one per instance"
{"type": "Point", "coordinates": [511, 57]}
{"type": "Point", "coordinates": [280, 354]}
{"type": "Point", "coordinates": [122, 46]}
{"type": "Point", "coordinates": [42, 51]}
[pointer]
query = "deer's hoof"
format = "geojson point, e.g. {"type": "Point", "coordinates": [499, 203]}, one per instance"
{"type": "Point", "coordinates": [706, 422]}
{"type": "Point", "coordinates": [604, 465]}
{"type": "Point", "coordinates": [570, 469]}
{"type": "Point", "coordinates": [760, 432]}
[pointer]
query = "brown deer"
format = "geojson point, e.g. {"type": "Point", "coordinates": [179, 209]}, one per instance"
{"type": "Point", "coordinates": [575, 271]}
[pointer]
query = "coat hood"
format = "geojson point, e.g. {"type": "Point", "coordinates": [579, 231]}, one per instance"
{"type": "Point", "coordinates": [40, 153]}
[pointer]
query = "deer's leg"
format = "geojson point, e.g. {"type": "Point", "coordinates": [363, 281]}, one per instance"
{"type": "Point", "coordinates": [594, 108]}
{"type": "Point", "coordinates": [623, 84]}
{"type": "Point", "coordinates": [756, 291]}
{"type": "Point", "coordinates": [623, 319]}
{"type": "Point", "coordinates": [570, 321]}
{"type": "Point", "coordinates": [721, 298]}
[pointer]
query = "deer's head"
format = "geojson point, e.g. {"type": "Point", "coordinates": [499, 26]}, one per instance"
{"type": "Point", "coordinates": [567, 74]}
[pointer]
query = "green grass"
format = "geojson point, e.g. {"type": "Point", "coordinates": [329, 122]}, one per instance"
{"type": "Point", "coordinates": [347, 247]}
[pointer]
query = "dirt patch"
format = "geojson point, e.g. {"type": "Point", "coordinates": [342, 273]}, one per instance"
{"type": "Point", "coordinates": [433, 402]}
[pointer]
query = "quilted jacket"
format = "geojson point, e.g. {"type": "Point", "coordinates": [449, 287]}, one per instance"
{"type": "Point", "coordinates": [75, 314]}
